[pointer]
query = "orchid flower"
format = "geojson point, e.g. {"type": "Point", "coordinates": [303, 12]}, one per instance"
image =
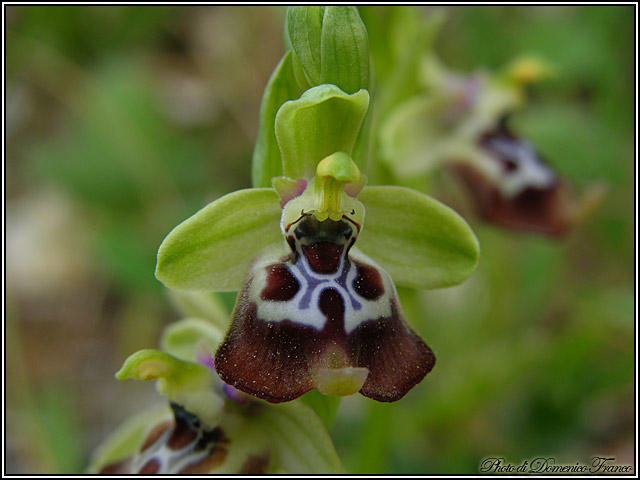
{"type": "Point", "coordinates": [316, 254]}
{"type": "Point", "coordinates": [314, 258]}
{"type": "Point", "coordinates": [460, 123]}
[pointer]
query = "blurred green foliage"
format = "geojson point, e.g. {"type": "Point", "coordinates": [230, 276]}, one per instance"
{"type": "Point", "coordinates": [141, 115]}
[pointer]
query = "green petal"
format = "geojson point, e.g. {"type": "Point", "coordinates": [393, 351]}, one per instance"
{"type": "Point", "coordinates": [419, 241]}
{"type": "Point", "coordinates": [213, 249]}
{"type": "Point", "coordinates": [300, 443]}
{"type": "Point", "coordinates": [323, 121]}
{"type": "Point", "coordinates": [206, 305]}
{"type": "Point", "coordinates": [282, 86]}
{"type": "Point", "coordinates": [186, 383]}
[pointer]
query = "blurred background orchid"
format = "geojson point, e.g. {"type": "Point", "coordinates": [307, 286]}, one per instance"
{"type": "Point", "coordinates": [124, 120]}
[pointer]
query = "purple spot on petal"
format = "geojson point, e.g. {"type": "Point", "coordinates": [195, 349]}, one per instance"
{"type": "Point", "coordinates": [293, 192]}
{"type": "Point", "coordinates": [235, 395]}
{"type": "Point", "coordinates": [204, 357]}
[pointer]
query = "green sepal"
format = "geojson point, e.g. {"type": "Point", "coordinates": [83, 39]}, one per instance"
{"type": "Point", "coordinates": [416, 137]}
{"type": "Point", "coordinates": [300, 443]}
{"type": "Point", "coordinates": [419, 241]}
{"type": "Point", "coordinates": [181, 338]}
{"type": "Point", "coordinates": [344, 49]}
{"type": "Point", "coordinates": [304, 35]}
{"type": "Point", "coordinates": [282, 86]}
{"type": "Point", "coordinates": [323, 121]}
{"type": "Point", "coordinates": [206, 305]}
{"type": "Point", "coordinates": [186, 383]}
{"type": "Point", "coordinates": [213, 249]}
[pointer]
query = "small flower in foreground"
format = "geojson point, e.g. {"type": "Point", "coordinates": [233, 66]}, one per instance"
{"type": "Point", "coordinates": [198, 435]}
{"type": "Point", "coordinates": [184, 445]}
{"type": "Point", "coordinates": [317, 308]}
{"type": "Point", "coordinates": [207, 426]}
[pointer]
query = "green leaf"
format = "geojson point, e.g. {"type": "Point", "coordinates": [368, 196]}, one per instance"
{"type": "Point", "coordinates": [213, 249]}
{"type": "Point", "coordinates": [282, 86]}
{"type": "Point", "coordinates": [186, 383]}
{"type": "Point", "coordinates": [323, 121]}
{"type": "Point", "coordinates": [419, 241]}
{"type": "Point", "coordinates": [300, 443]}
{"type": "Point", "coordinates": [56, 411]}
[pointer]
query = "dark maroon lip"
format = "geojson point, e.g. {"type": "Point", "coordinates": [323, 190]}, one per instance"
{"type": "Point", "coordinates": [275, 361]}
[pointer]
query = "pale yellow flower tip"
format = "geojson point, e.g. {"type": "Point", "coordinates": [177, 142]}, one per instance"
{"type": "Point", "coordinates": [340, 382]}
{"type": "Point", "coordinates": [527, 70]}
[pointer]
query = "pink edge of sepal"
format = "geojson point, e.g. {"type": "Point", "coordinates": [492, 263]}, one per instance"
{"type": "Point", "coordinates": [288, 189]}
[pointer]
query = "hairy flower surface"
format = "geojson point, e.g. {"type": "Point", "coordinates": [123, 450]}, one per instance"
{"type": "Point", "coordinates": [324, 316]}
